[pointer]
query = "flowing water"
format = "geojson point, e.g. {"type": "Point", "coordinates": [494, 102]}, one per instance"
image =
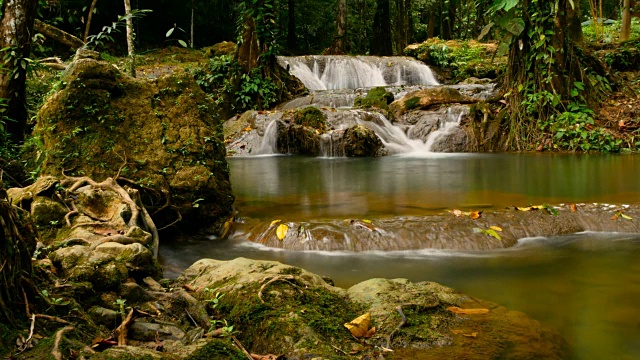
{"type": "Point", "coordinates": [587, 286]}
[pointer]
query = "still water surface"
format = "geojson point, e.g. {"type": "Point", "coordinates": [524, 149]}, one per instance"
{"type": "Point", "coordinates": [586, 286]}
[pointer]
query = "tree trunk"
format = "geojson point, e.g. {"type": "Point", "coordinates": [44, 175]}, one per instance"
{"type": "Point", "coordinates": [401, 26]}
{"type": "Point", "coordinates": [292, 40]}
{"type": "Point", "coordinates": [381, 43]}
{"type": "Point", "coordinates": [193, 9]}
{"type": "Point", "coordinates": [248, 51]}
{"type": "Point", "coordinates": [89, 17]}
{"type": "Point", "coordinates": [16, 27]}
{"type": "Point", "coordinates": [338, 46]}
{"type": "Point", "coordinates": [574, 25]}
{"type": "Point", "coordinates": [626, 21]}
{"type": "Point", "coordinates": [130, 44]}
{"type": "Point", "coordinates": [58, 35]}
{"type": "Point", "coordinates": [17, 244]}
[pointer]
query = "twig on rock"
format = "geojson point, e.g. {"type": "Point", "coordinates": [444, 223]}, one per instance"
{"type": "Point", "coordinates": [239, 345]}
{"type": "Point", "coordinates": [402, 323]}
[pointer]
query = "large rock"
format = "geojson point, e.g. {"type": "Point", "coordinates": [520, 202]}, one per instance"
{"type": "Point", "coordinates": [281, 309]}
{"type": "Point", "coordinates": [360, 141]}
{"type": "Point", "coordinates": [159, 133]}
{"type": "Point", "coordinates": [423, 99]}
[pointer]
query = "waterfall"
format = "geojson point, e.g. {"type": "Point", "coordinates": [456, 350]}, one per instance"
{"type": "Point", "coordinates": [393, 137]}
{"type": "Point", "coordinates": [269, 143]}
{"type": "Point", "coordinates": [451, 122]}
{"type": "Point", "coordinates": [351, 72]}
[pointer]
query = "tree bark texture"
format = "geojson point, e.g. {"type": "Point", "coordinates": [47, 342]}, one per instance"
{"type": "Point", "coordinates": [381, 43]}
{"type": "Point", "coordinates": [58, 35]}
{"type": "Point", "coordinates": [17, 244]}
{"type": "Point", "coordinates": [16, 30]}
{"type": "Point", "coordinates": [131, 49]}
{"type": "Point", "coordinates": [338, 47]}
{"type": "Point", "coordinates": [626, 21]}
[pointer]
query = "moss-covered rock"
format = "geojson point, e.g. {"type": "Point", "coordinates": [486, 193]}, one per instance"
{"type": "Point", "coordinates": [377, 98]}
{"type": "Point", "coordinates": [310, 116]}
{"type": "Point", "coordinates": [217, 349]}
{"type": "Point", "coordinates": [360, 141]}
{"type": "Point", "coordinates": [221, 48]}
{"type": "Point", "coordinates": [160, 133]}
{"type": "Point", "coordinates": [457, 60]}
{"type": "Point", "coordinates": [422, 99]}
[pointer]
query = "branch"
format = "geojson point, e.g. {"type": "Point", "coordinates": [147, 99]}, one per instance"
{"type": "Point", "coordinates": [58, 35]}
{"type": "Point", "coordinates": [55, 352]}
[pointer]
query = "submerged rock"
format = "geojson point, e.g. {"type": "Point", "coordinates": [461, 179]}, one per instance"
{"type": "Point", "coordinates": [158, 133]}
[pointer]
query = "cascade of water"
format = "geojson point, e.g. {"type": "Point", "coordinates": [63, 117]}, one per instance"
{"type": "Point", "coordinates": [394, 138]}
{"type": "Point", "coordinates": [452, 121]}
{"type": "Point", "coordinates": [350, 72]}
{"type": "Point", "coordinates": [269, 143]}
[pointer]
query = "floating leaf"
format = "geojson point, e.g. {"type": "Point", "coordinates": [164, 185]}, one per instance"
{"type": "Point", "coordinates": [529, 208]}
{"type": "Point", "coordinates": [626, 216]}
{"type": "Point", "coordinates": [367, 221]}
{"type": "Point", "coordinates": [493, 233]}
{"type": "Point", "coordinates": [620, 214]}
{"type": "Point", "coordinates": [457, 310]}
{"type": "Point", "coordinates": [475, 214]}
{"type": "Point", "coordinates": [281, 231]}
{"type": "Point", "coordinates": [359, 327]}
{"type": "Point", "coordinates": [460, 332]}
{"type": "Point", "coordinates": [551, 209]}
{"type": "Point", "coordinates": [496, 228]}
{"type": "Point", "coordinates": [574, 208]}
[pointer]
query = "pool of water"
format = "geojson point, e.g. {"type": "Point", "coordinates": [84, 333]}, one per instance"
{"type": "Point", "coordinates": [304, 188]}
{"type": "Point", "coordinates": [586, 286]}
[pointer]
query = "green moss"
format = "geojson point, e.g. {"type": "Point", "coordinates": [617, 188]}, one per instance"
{"type": "Point", "coordinates": [377, 97]}
{"type": "Point", "coordinates": [311, 116]}
{"type": "Point", "coordinates": [217, 349]}
{"type": "Point", "coordinates": [412, 103]}
{"type": "Point", "coordinates": [290, 317]}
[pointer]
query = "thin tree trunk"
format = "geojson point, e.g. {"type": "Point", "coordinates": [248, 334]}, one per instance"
{"type": "Point", "coordinates": [130, 43]}
{"type": "Point", "coordinates": [192, 21]}
{"type": "Point", "coordinates": [574, 25]}
{"type": "Point", "coordinates": [626, 21]}
{"type": "Point", "coordinates": [16, 27]}
{"type": "Point", "coordinates": [431, 25]}
{"type": "Point", "coordinates": [58, 35]}
{"type": "Point", "coordinates": [89, 17]}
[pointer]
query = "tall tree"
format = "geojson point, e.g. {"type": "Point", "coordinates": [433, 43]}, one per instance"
{"type": "Point", "coordinates": [16, 27]}
{"type": "Point", "coordinates": [130, 44]}
{"type": "Point", "coordinates": [338, 46]}
{"type": "Point", "coordinates": [381, 43]}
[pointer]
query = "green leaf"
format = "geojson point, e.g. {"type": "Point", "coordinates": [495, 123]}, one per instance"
{"type": "Point", "coordinates": [485, 31]}
{"type": "Point", "coordinates": [170, 32]}
{"type": "Point", "coordinates": [550, 209]}
{"type": "Point", "coordinates": [514, 25]}
{"type": "Point", "coordinates": [181, 42]}
{"type": "Point", "coordinates": [492, 233]}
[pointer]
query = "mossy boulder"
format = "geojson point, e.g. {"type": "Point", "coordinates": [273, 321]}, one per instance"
{"type": "Point", "coordinates": [360, 141]}
{"type": "Point", "coordinates": [217, 349]}
{"type": "Point", "coordinates": [221, 48]}
{"type": "Point", "coordinates": [377, 98]}
{"type": "Point", "coordinates": [310, 116]}
{"type": "Point", "coordinates": [425, 98]}
{"type": "Point", "coordinates": [281, 309]}
{"type": "Point", "coordinates": [159, 133]}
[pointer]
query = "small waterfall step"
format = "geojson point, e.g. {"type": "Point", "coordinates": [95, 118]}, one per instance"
{"type": "Point", "coordinates": [351, 72]}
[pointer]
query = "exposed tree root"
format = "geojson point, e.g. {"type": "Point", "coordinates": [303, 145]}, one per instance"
{"type": "Point", "coordinates": [56, 352]}
{"type": "Point", "coordinates": [402, 323]}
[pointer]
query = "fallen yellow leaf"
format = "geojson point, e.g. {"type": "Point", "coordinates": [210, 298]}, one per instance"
{"type": "Point", "coordinates": [367, 221]}
{"type": "Point", "coordinates": [248, 128]}
{"type": "Point", "coordinates": [457, 310]}
{"type": "Point", "coordinates": [460, 332]}
{"type": "Point", "coordinates": [475, 214]}
{"type": "Point", "coordinates": [281, 231]}
{"type": "Point", "coordinates": [274, 222]}
{"type": "Point", "coordinates": [359, 326]}
{"type": "Point", "coordinates": [496, 228]}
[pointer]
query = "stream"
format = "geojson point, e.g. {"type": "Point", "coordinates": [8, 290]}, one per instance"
{"type": "Point", "coordinates": [584, 285]}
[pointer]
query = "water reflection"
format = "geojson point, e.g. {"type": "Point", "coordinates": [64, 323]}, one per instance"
{"type": "Point", "coordinates": [313, 188]}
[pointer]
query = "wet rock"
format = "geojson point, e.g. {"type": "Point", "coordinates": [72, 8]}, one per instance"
{"type": "Point", "coordinates": [104, 316]}
{"type": "Point", "coordinates": [422, 99]}
{"type": "Point", "coordinates": [454, 140]}
{"type": "Point", "coordinates": [46, 211]}
{"type": "Point", "coordinates": [359, 141]}
{"type": "Point", "coordinates": [144, 331]}
{"type": "Point", "coordinates": [133, 293]}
